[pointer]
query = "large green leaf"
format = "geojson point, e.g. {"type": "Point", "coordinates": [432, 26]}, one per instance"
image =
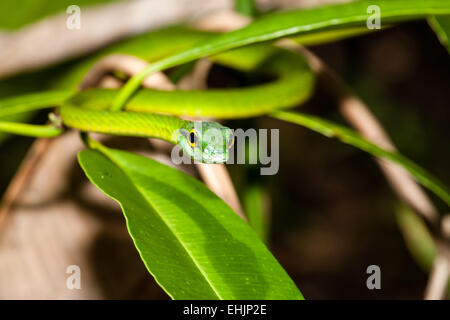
{"type": "Point", "coordinates": [283, 24]}
{"type": "Point", "coordinates": [351, 137]}
{"type": "Point", "coordinates": [195, 246]}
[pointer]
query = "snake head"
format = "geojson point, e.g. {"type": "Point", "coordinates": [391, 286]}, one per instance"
{"type": "Point", "coordinates": [206, 142]}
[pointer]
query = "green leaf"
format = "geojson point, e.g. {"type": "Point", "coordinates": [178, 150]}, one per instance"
{"type": "Point", "coordinates": [194, 245]}
{"type": "Point", "coordinates": [441, 26]}
{"type": "Point", "coordinates": [351, 137]}
{"type": "Point", "coordinates": [284, 24]}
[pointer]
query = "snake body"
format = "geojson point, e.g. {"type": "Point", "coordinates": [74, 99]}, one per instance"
{"type": "Point", "coordinates": [152, 113]}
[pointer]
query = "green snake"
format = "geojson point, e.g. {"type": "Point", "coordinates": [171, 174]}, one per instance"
{"type": "Point", "coordinates": [156, 113]}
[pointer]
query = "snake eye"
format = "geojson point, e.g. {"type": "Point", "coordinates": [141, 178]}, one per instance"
{"type": "Point", "coordinates": [192, 138]}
